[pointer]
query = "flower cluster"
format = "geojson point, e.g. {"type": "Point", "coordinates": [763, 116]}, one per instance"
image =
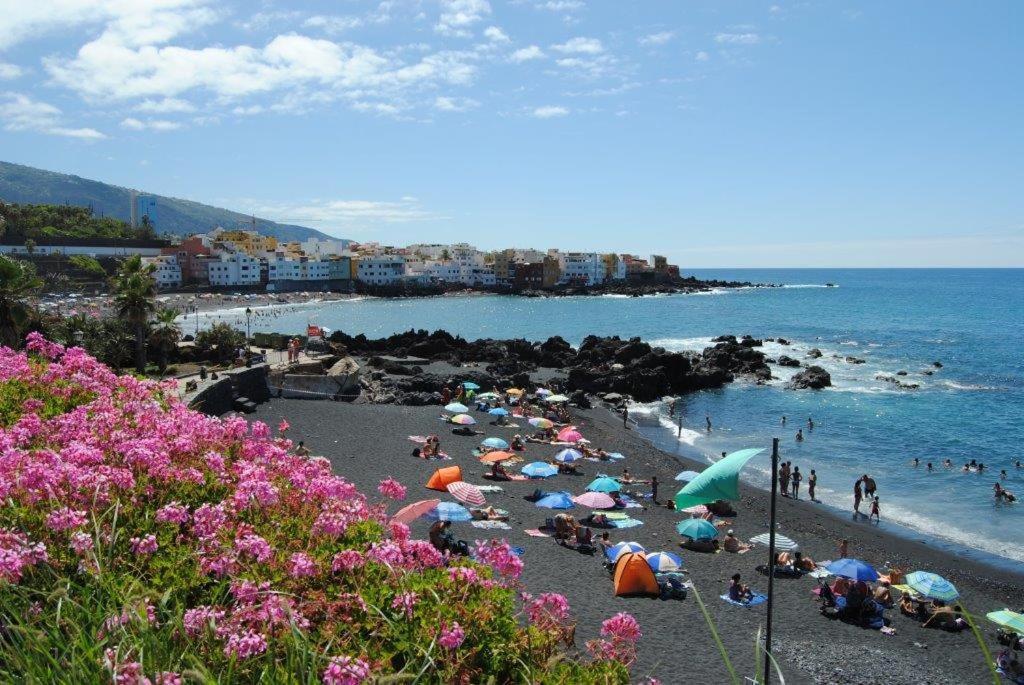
{"type": "Point", "coordinates": [389, 487]}
{"type": "Point", "coordinates": [498, 555]}
{"type": "Point", "coordinates": [619, 637]}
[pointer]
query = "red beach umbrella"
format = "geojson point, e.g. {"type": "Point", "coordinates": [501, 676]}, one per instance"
{"type": "Point", "coordinates": [466, 492]}
{"type": "Point", "coordinates": [594, 500]}
{"type": "Point", "coordinates": [411, 512]}
{"type": "Point", "coordinates": [569, 435]}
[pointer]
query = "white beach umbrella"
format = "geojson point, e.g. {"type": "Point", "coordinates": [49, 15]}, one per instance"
{"type": "Point", "coordinates": [782, 543]}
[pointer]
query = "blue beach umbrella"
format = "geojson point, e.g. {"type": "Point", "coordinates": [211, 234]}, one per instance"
{"type": "Point", "coordinates": [568, 456]}
{"type": "Point", "coordinates": [697, 529]}
{"type": "Point", "coordinates": [539, 469]}
{"type": "Point", "coordinates": [664, 561]}
{"type": "Point", "coordinates": [556, 500]}
{"type": "Point", "coordinates": [854, 569]}
{"type": "Point", "coordinates": [498, 411]}
{"type": "Point", "coordinates": [687, 476]}
{"type": "Point", "coordinates": [495, 443]}
{"type": "Point", "coordinates": [604, 484]}
{"type": "Point", "coordinates": [449, 511]}
{"type": "Point", "coordinates": [932, 586]}
{"type": "Point", "coordinates": [456, 408]}
{"type": "Point", "coordinates": [615, 551]}
{"type": "Point", "coordinates": [469, 385]}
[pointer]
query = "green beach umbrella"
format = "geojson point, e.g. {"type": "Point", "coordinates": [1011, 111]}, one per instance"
{"type": "Point", "coordinates": [698, 529]}
{"type": "Point", "coordinates": [932, 586]}
{"type": "Point", "coordinates": [721, 480]}
{"type": "Point", "coordinates": [1010, 620]}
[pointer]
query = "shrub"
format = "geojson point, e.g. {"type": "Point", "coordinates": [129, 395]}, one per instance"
{"type": "Point", "coordinates": [144, 542]}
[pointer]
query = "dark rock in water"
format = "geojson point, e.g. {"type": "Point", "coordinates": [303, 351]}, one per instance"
{"type": "Point", "coordinates": [813, 378]}
{"type": "Point", "coordinates": [927, 372]}
{"type": "Point", "coordinates": [724, 338]}
{"type": "Point", "coordinates": [748, 341]}
{"type": "Point", "coordinates": [901, 373]}
{"type": "Point", "coordinates": [612, 397]}
{"type": "Point", "coordinates": [937, 365]}
{"type": "Point", "coordinates": [897, 382]}
{"type": "Point", "coordinates": [782, 341]}
{"type": "Point", "coordinates": [815, 353]}
{"type": "Point", "coordinates": [788, 361]}
{"type": "Point", "coordinates": [854, 360]}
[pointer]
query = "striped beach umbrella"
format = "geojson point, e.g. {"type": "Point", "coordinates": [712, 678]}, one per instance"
{"type": "Point", "coordinates": [932, 586]}
{"type": "Point", "coordinates": [568, 456]}
{"type": "Point", "coordinates": [664, 561]}
{"type": "Point", "coordinates": [456, 408]}
{"type": "Point", "coordinates": [1010, 620]}
{"type": "Point", "coordinates": [488, 396]}
{"type": "Point", "coordinates": [782, 543]}
{"type": "Point", "coordinates": [463, 420]}
{"type": "Point", "coordinates": [411, 512]}
{"type": "Point", "coordinates": [495, 444]}
{"type": "Point", "coordinates": [615, 551]}
{"type": "Point", "coordinates": [541, 422]}
{"type": "Point", "coordinates": [449, 511]}
{"type": "Point", "coordinates": [539, 469]}
{"type": "Point", "coordinates": [465, 492]}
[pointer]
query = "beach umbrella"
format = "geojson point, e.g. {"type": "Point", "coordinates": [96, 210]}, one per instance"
{"type": "Point", "coordinates": [604, 484]}
{"type": "Point", "coordinates": [488, 396]}
{"type": "Point", "coordinates": [469, 385]}
{"type": "Point", "coordinates": [541, 422]}
{"type": "Point", "coordinates": [539, 469]}
{"type": "Point", "coordinates": [568, 456]}
{"type": "Point", "coordinates": [696, 510]}
{"type": "Point", "coordinates": [498, 411]}
{"type": "Point", "coordinates": [465, 492]}
{"type": "Point", "coordinates": [594, 500]}
{"type": "Point", "coordinates": [514, 391]}
{"type": "Point", "coordinates": [664, 561]}
{"type": "Point", "coordinates": [782, 543]}
{"type": "Point", "coordinates": [615, 551]}
{"type": "Point", "coordinates": [449, 511]}
{"type": "Point", "coordinates": [411, 512]}
{"type": "Point", "coordinates": [496, 456]}
{"type": "Point", "coordinates": [456, 408]}
{"type": "Point", "coordinates": [932, 586]}
{"type": "Point", "coordinates": [556, 500]}
{"type": "Point", "coordinates": [687, 476]}
{"type": "Point", "coordinates": [495, 444]}
{"type": "Point", "coordinates": [463, 420]}
{"type": "Point", "coordinates": [1010, 620]}
{"type": "Point", "coordinates": [543, 392]}
{"type": "Point", "coordinates": [854, 569]}
{"type": "Point", "coordinates": [555, 399]}
{"type": "Point", "coordinates": [697, 529]}
{"type": "Point", "coordinates": [569, 435]}
{"type": "Point", "coordinates": [721, 480]}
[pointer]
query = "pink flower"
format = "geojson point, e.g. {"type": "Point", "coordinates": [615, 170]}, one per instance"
{"type": "Point", "coordinates": [199, 619]}
{"type": "Point", "coordinates": [255, 546]}
{"type": "Point", "coordinates": [168, 678]}
{"type": "Point", "coordinates": [499, 555]}
{"type": "Point", "coordinates": [452, 636]}
{"type": "Point", "coordinates": [130, 673]}
{"type": "Point", "coordinates": [144, 545]}
{"type": "Point", "coordinates": [81, 542]}
{"type": "Point", "coordinates": [548, 611]}
{"type": "Point", "coordinates": [301, 565]}
{"type": "Point", "coordinates": [621, 633]}
{"type": "Point", "coordinates": [65, 518]}
{"type": "Point", "coordinates": [389, 487]}
{"type": "Point", "coordinates": [283, 426]}
{"type": "Point", "coordinates": [463, 575]}
{"type": "Point", "coordinates": [173, 512]}
{"type": "Point", "coordinates": [621, 626]}
{"type": "Point", "coordinates": [347, 560]}
{"type": "Point", "coordinates": [406, 601]}
{"type": "Point", "coordinates": [245, 645]}
{"type": "Point", "coordinates": [346, 670]}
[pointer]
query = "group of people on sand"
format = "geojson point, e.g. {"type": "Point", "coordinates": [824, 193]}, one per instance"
{"type": "Point", "coordinates": [790, 479]}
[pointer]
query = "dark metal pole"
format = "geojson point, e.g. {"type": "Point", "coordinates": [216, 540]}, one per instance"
{"type": "Point", "coordinates": [771, 563]}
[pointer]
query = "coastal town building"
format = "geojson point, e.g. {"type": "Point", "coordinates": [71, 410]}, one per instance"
{"type": "Point", "coordinates": [166, 270]}
{"type": "Point", "coordinates": [236, 268]}
{"type": "Point", "coordinates": [383, 269]}
{"type": "Point", "coordinates": [583, 268]}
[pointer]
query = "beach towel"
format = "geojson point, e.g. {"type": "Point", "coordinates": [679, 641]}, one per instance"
{"type": "Point", "coordinates": [491, 525]}
{"type": "Point", "coordinates": [819, 573]}
{"type": "Point", "coordinates": [490, 488]}
{"type": "Point", "coordinates": [536, 533]}
{"type": "Point", "coordinates": [758, 599]}
{"type": "Point", "coordinates": [626, 523]}
{"type": "Point", "coordinates": [616, 516]}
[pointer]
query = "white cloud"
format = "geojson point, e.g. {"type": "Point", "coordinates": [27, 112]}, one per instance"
{"type": "Point", "coordinates": [550, 112]}
{"type": "Point", "coordinates": [775, 9]}
{"type": "Point", "coordinates": [580, 46]}
{"type": "Point", "coordinates": [344, 212]}
{"type": "Point", "coordinates": [526, 54]}
{"type": "Point", "coordinates": [458, 15]}
{"type": "Point", "coordinates": [496, 35]}
{"type": "Point", "coordinates": [9, 71]}
{"type": "Point", "coordinates": [333, 24]}
{"type": "Point", "coordinates": [702, 56]}
{"type": "Point", "coordinates": [133, 124]}
{"type": "Point", "coordinates": [19, 112]}
{"type": "Point", "coordinates": [261, 21]}
{"type": "Point", "coordinates": [453, 104]}
{"type": "Point", "coordinates": [248, 111]}
{"type": "Point", "coordinates": [589, 67]}
{"type": "Point", "coordinates": [165, 106]}
{"type": "Point", "coordinates": [657, 38]}
{"type": "Point", "coordinates": [561, 5]}
{"type": "Point", "coordinates": [377, 107]}
{"type": "Point", "coordinates": [738, 38]}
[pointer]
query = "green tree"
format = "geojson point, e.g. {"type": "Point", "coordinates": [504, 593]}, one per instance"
{"type": "Point", "coordinates": [134, 297]}
{"type": "Point", "coordinates": [89, 265]}
{"type": "Point", "coordinates": [164, 335]}
{"type": "Point", "coordinates": [30, 246]}
{"type": "Point", "coordinates": [18, 282]}
{"type": "Point", "coordinates": [219, 342]}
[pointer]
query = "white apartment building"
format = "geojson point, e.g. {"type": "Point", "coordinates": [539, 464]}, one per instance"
{"type": "Point", "coordinates": [428, 251]}
{"type": "Point", "coordinates": [298, 270]}
{"type": "Point", "coordinates": [314, 247]}
{"type": "Point", "coordinates": [381, 269]}
{"type": "Point", "coordinates": [235, 268]}
{"type": "Point", "coordinates": [583, 267]}
{"type": "Point", "coordinates": [166, 271]}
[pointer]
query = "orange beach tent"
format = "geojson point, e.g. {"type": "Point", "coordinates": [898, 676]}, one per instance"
{"type": "Point", "coordinates": [633, 576]}
{"type": "Point", "coordinates": [442, 477]}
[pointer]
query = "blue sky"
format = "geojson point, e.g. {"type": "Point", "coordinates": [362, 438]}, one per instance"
{"type": "Point", "coordinates": [719, 133]}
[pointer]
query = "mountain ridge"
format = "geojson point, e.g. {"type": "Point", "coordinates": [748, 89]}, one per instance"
{"type": "Point", "coordinates": [178, 216]}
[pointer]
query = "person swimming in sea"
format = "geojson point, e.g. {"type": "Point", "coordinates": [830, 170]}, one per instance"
{"type": "Point", "coordinates": [948, 463]}
{"type": "Point", "coordinates": [916, 462]}
{"type": "Point", "coordinates": [1002, 493]}
{"type": "Point", "coordinates": [800, 435]}
{"type": "Point", "coordinates": [930, 469]}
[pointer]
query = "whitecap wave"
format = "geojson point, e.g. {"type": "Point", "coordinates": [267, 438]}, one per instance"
{"type": "Point", "coordinates": [953, 385]}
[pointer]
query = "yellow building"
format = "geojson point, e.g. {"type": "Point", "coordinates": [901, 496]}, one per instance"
{"type": "Point", "coordinates": [250, 242]}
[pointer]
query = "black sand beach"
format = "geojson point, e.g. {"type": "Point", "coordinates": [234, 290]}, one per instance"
{"type": "Point", "coordinates": [366, 443]}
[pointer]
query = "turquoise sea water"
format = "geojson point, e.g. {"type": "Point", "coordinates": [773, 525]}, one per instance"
{"type": "Point", "coordinates": [972, 321]}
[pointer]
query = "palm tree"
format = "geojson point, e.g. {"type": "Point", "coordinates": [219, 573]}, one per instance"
{"type": "Point", "coordinates": [134, 295]}
{"type": "Point", "coordinates": [18, 282]}
{"type": "Point", "coordinates": [164, 334]}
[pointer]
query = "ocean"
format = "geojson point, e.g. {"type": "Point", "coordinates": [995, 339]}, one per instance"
{"type": "Point", "coordinates": [970, 321]}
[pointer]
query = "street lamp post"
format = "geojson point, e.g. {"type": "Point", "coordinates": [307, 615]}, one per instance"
{"type": "Point", "coordinates": [771, 564]}
{"type": "Point", "coordinates": [248, 322]}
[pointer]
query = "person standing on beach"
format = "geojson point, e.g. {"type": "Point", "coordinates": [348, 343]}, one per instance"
{"type": "Point", "coordinates": [857, 496]}
{"type": "Point", "coordinates": [796, 478]}
{"type": "Point", "coordinates": [869, 486]}
{"type": "Point", "coordinates": [784, 479]}
{"type": "Point", "coordinates": [654, 489]}
{"type": "Point", "coordinates": [844, 549]}
{"type": "Point", "coordinates": [625, 418]}
{"type": "Point", "coordinates": [812, 482]}
{"type": "Point", "coordinates": [874, 511]}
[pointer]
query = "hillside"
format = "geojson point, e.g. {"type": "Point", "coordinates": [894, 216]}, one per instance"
{"type": "Point", "coordinates": [24, 184]}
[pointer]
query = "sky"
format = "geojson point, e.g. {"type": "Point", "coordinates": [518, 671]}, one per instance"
{"type": "Point", "coordinates": [721, 133]}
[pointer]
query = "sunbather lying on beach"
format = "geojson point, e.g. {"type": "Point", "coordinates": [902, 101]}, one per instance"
{"type": "Point", "coordinates": [944, 617]}
{"type": "Point", "coordinates": [466, 430]}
